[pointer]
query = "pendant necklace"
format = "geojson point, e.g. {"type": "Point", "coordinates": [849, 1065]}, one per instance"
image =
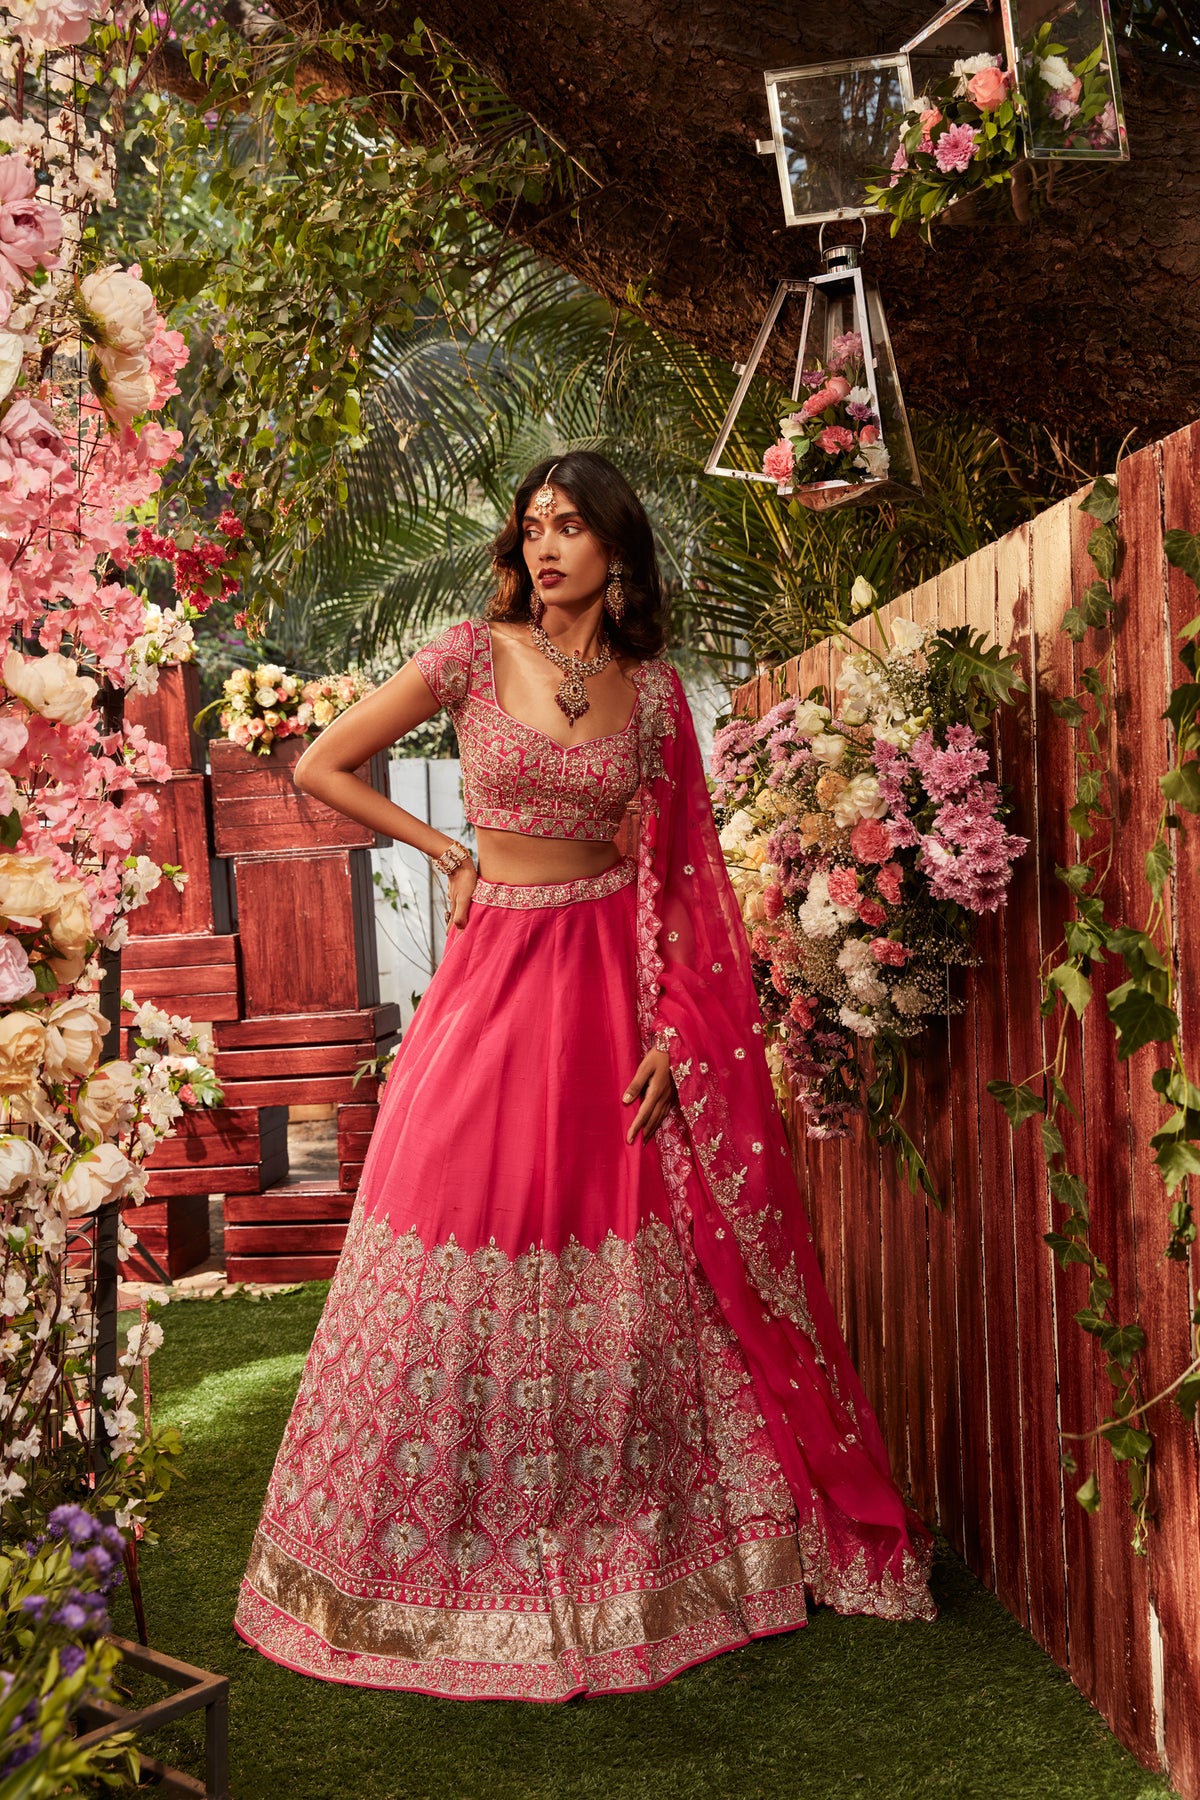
{"type": "Point", "coordinates": [572, 696]}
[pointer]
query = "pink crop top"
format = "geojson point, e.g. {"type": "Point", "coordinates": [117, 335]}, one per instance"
{"type": "Point", "coordinates": [515, 778]}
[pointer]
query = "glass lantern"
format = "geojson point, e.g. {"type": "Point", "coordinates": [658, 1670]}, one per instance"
{"type": "Point", "coordinates": [1079, 33]}
{"type": "Point", "coordinates": [837, 302]}
{"type": "Point", "coordinates": [832, 127]}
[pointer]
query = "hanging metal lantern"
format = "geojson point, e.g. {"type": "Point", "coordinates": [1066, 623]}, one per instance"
{"type": "Point", "coordinates": [843, 327]}
{"type": "Point", "coordinates": [833, 125]}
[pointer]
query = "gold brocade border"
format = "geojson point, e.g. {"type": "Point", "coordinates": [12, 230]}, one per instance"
{"type": "Point", "coordinates": [530, 897]}
{"type": "Point", "coordinates": [628, 1641]}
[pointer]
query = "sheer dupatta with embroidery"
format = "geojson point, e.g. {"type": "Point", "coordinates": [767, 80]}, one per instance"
{"type": "Point", "coordinates": [727, 1160]}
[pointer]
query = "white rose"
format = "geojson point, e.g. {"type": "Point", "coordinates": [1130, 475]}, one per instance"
{"type": "Point", "coordinates": [74, 1035]}
{"type": "Point", "coordinates": [20, 1161]}
{"type": "Point", "coordinates": [1057, 73]}
{"type": "Point", "coordinates": [908, 635]}
{"type": "Point", "coordinates": [809, 718]}
{"type": "Point", "coordinates": [12, 354]}
{"type": "Point", "coordinates": [92, 1179]}
{"type": "Point", "coordinates": [106, 1100]}
{"type": "Point", "coordinates": [22, 1043]}
{"type": "Point", "coordinates": [859, 799]}
{"type": "Point", "coordinates": [828, 747]}
{"type": "Point", "coordinates": [128, 385]}
{"type": "Point", "coordinates": [122, 306]}
{"type": "Point", "coordinates": [50, 685]}
{"type": "Point", "coordinates": [862, 595]}
{"type": "Point", "coordinates": [265, 697]}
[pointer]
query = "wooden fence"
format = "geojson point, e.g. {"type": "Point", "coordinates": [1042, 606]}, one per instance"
{"type": "Point", "coordinates": [959, 1320]}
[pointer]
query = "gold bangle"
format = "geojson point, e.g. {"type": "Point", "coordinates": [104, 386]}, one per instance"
{"type": "Point", "coordinates": [452, 857]}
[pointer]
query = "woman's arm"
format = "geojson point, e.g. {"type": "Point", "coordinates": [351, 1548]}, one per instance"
{"type": "Point", "coordinates": [326, 770]}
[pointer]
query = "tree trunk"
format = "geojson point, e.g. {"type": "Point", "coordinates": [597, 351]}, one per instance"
{"type": "Point", "coordinates": [1087, 316]}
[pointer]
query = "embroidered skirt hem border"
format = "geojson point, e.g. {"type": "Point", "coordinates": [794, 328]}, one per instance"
{"type": "Point", "coordinates": [756, 1591]}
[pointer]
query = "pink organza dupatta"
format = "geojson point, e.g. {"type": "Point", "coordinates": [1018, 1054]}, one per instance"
{"type": "Point", "coordinates": [728, 1165]}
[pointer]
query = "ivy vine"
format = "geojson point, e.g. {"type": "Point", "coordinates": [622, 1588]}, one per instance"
{"type": "Point", "coordinates": [1142, 1010]}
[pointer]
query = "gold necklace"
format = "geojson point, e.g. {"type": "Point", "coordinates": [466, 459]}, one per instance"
{"type": "Point", "coordinates": [572, 695]}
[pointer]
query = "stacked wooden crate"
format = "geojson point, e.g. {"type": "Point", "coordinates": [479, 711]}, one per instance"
{"type": "Point", "coordinates": [311, 1025]}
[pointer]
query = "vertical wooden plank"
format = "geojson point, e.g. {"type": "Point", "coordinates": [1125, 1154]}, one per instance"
{"type": "Point", "coordinates": [1174, 1566]}
{"type": "Point", "coordinates": [1005, 941]}
{"type": "Point", "coordinates": [1043, 1497]}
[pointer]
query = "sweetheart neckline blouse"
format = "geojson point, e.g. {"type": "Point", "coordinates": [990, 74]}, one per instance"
{"type": "Point", "coordinates": [516, 777]}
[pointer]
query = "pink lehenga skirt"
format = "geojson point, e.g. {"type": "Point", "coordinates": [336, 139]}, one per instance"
{"type": "Point", "coordinates": [526, 1459]}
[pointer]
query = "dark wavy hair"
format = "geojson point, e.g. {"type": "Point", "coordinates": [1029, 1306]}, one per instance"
{"type": "Point", "coordinates": [613, 513]}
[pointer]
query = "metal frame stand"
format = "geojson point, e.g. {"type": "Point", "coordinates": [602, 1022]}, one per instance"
{"type": "Point", "coordinates": [199, 1689]}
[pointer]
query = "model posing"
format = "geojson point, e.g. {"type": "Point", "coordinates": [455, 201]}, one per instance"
{"type": "Point", "coordinates": [577, 1414]}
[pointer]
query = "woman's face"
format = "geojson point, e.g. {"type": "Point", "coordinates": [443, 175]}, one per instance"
{"type": "Point", "coordinates": [567, 563]}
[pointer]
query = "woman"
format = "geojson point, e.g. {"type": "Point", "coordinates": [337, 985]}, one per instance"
{"type": "Point", "coordinates": [577, 1414]}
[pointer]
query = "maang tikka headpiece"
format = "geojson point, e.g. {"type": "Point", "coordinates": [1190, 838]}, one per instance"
{"type": "Point", "coordinates": [543, 500]}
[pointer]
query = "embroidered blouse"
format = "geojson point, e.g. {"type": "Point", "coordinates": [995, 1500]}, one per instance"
{"type": "Point", "coordinates": [516, 778]}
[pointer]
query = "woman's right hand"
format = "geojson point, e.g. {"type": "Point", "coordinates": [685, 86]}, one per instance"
{"type": "Point", "coordinates": [460, 887]}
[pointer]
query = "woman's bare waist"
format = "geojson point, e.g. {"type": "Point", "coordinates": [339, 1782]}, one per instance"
{"type": "Point", "coordinates": [510, 856]}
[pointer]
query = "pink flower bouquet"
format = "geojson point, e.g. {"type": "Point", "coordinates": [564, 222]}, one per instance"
{"type": "Point", "coordinates": [862, 844]}
{"type": "Point", "coordinates": [834, 435]}
{"type": "Point", "coordinates": [266, 703]}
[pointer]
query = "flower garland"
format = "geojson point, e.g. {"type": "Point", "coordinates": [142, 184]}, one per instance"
{"type": "Point", "coordinates": [835, 435]}
{"type": "Point", "coordinates": [965, 135]}
{"type": "Point", "coordinates": [85, 360]}
{"type": "Point", "coordinates": [265, 704]}
{"type": "Point", "coordinates": [860, 845]}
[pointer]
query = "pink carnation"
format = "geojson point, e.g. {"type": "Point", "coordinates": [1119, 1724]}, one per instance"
{"type": "Point", "coordinates": [772, 900]}
{"type": "Point", "coordinates": [778, 462]}
{"type": "Point", "coordinates": [954, 149]}
{"type": "Point", "coordinates": [887, 880]}
{"type": "Point", "coordinates": [899, 165]}
{"type": "Point", "coordinates": [834, 439]}
{"type": "Point", "coordinates": [802, 1012]}
{"type": "Point", "coordinates": [843, 886]}
{"type": "Point", "coordinates": [871, 913]}
{"type": "Point", "coordinates": [847, 347]}
{"type": "Point", "coordinates": [887, 950]}
{"type": "Point", "coordinates": [870, 841]}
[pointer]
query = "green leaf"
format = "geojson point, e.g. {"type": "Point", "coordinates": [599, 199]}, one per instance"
{"type": "Point", "coordinates": [1019, 1102]}
{"type": "Point", "coordinates": [1158, 866]}
{"type": "Point", "coordinates": [1097, 603]}
{"type": "Point", "coordinates": [1128, 1444]}
{"type": "Point", "coordinates": [1122, 1343]}
{"type": "Point", "coordinates": [1177, 1159]}
{"type": "Point", "coordinates": [1070, 981]}
{"type": "Point", "coordinates": [1052, 1144]}
{"type": "Point", "coordinates": [1068, 1189]}
{"type": "Point", "coordinates": [1183, 552]}
{"type": "Point", "coordinates": [1088, 1495]}
{"type": "Point", "coordinates": [1182, 786]}
{"type": "Point", "coordinates": [10, 829]}
{"type": "Point", "coordinates": [1068, 709]}
{"type": "Point", "coordinates": [1187, 1396]}
{"type": "Point", "coordinates": [971, 660]}
{"type": "Point", "coordinates": [1140, 1019]}
{"type": "Point", "coordinates": [1074, 625]}
{"type": "Point", "coordinates": [1102, 547]}
{"type": "Point", "coordinates": [1103, 502]}
{"type": "Point", "coordinates": [1076, 876]}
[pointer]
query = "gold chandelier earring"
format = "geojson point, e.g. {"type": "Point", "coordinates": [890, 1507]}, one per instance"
{"type": "Point", "coordinates": [537, 605]}
{"type": "Point", "coordinates": [614, 593]}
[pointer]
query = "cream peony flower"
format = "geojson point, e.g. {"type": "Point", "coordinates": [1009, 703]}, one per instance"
{"type": "Point", "coordinates": [860, 799]}
{"type": "Point", "coordinates": [22, 1045]}
{"type": "Point", "coordinates": [17, 979]}
{"type": "Point", "coordinates": [20, 1161]}
{"type": "Point", "coordinates": [12, 354]}
{"type": "Point", "coordinates": [106, 1100]}
{"type": "Point", "coordinates": [128, 385]}
{"type": "Point", "coordinates": [70, 924]}
{"type": "Point", "coordinates": [122, 307]}
{"type": "Point", "coordinates": [50, 685]}
{"type": "Point", "coordinates": [74, 1035]}
{"type": "Point", "coordinates": [101, 1175]}
{"type": "Point", "coordinates": [27, 887]}
{"type": "Point", "coordinates": [829, 747]}
{"type": "Point", "coordinates": [908, 635]}
{"type": "Point", "coordinates": [810, 718]}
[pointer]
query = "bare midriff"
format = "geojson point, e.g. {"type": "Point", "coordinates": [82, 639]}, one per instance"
{"type": "Point", "coordinates": [521, 861]}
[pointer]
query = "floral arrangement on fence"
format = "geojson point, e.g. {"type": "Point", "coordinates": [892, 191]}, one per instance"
{"type": "Point", "coordinates": [965, 135]}
{"type": "Point", "coordinates": [835, 435]}
{"type": "Point", "coordinates": [861, 843]}
{"type": "Point", "coordinates": [266, 703]}
{"type": "Point", "coordinates": [54, 1595]}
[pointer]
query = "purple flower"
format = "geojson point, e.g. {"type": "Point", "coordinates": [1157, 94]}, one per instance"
{"type": "Point", "coordinates": [813, 378]}
{"type": "Point", "coordinates": [35, 1605]}
{"type": "Point", "coordinates": [72, 1617]}
{"type": "Point", "coordinates": [949, 772]}
{"type": "Point", "coordinates": [1060, 106]}
{"type": "Point", "coordinates": [861, 411]}
{"type": "Point", "coordinates": [1102, 132]}
{"type": "Point", "coordinates": [71, 1659]}
{"type": "Point", "coordinates": [22, 1754]}
{"type": "Point", "coordinates": [73, 1522]}
{"type": "Point", "coordinates": [955, 148]}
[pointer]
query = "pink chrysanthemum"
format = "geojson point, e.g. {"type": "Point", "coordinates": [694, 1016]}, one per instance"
{"type": "Point", "coordinates": [778, 461]}
{"type": "Point", "coordinates": [955, 148]}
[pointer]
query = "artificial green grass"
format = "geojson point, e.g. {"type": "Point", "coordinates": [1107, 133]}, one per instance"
{"type": "Point", "coordinates": [967, 1709]}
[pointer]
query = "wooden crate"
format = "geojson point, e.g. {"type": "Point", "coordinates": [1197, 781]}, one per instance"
{"type": "Point", "coordinates": [166, 716]}
{"type": "Point", "coordinates": [307, 930]}
{"type": "Point", "coordinates": [304, 1059]}
{"type": "Point", "coordinates": [196, 975]}
{"type": "Point", "coordinates": [366, 1024]}
{"type": "Point", "coordinates": [300, 1090]}
{"type": "Point", "coordinates": [183, 836]}
{"type": "Point", "coordinates": [175, 1232]}
{"type": "Point", "coordinates": [227, 1136]}
{"type": "Point", "coordinates": [257, 808]}
{"type": "Point", "coordinates": [292, 1233]}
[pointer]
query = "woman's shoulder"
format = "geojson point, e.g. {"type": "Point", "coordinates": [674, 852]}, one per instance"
{"type": "Point", "coordinates": [445, 661]}
{"type": "Point", "coordinates": [658, 678]}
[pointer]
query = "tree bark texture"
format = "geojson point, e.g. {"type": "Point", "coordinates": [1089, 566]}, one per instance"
{"type": "Point", "coordinates": [1086, 316]}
